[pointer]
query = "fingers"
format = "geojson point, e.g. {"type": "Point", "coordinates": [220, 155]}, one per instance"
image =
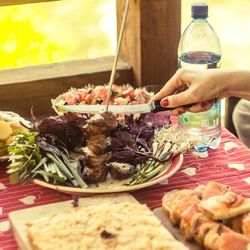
{"type": "Point", "coordinates": [200, 107]}
{"type": "Point", "coordinates": [195, 108]}
{"type": "Point", "coordinates": [176, 100]}
{"type": "Point", "coordinates": [172, 86]}
{"type": "Point", "coordinates": [178, 111]}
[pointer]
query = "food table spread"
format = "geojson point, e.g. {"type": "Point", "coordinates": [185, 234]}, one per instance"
{"type": "Point", "coordinates": [229, 164]}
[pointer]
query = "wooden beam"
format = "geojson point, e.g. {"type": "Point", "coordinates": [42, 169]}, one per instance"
{"type": "Point", "coordinates": [151, 39]}
{"type": "Point", "coordinates": [35, 86]}
{"type": "Point", "coordinates": [17, 2]}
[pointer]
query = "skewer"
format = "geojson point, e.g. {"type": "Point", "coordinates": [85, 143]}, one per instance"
{"type": "Point", "coordinates": [112, 77]}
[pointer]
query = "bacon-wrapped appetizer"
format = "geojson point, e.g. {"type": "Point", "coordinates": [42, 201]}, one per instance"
{"type": "Point", "coordinates": [212, 189]}
{"type": "Point", "coordinates": [240, 224]}
{"type": "Point", "coordinates": [180, 202]}
{"type": "Point", "coordinates": [197, 213]}
{"type": "Point", "coordinates": [225, 206]}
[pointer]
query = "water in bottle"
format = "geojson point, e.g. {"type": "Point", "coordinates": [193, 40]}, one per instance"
{"type": "Point", "coordinates": [199, 48]}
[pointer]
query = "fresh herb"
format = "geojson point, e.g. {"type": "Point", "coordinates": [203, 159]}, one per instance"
{"type": "Point", "coordinates": [24, 156]}
{"type": "Point", "coordinates": [131, 140]}
{"type": "Point", "coordinates": [66, 128]}
{"type": "Point", "coordinates": [145, 141]}
{"type": "Point", "coordinates": [167, 143]}
{"type": "Point", "coordinates": [32, 156]}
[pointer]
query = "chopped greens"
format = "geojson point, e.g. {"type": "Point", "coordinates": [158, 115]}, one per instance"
{"type": "Point", "coordinates": [24, 156]}
{"type": "Point", "coordinates": [29, 161]}
{"type": "Point", "coordinates": [167, 142]}
{"type": "Point", "coordinates": [131, 142]}
{"type": "Point", "coordinates": [51, 149]}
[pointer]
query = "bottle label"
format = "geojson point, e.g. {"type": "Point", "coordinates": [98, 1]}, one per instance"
{"type": "Point", "coordinates": [210, 118]}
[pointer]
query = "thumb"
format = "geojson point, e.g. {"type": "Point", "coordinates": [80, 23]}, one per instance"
{"type": "Point", "coordinates": [176, 100]}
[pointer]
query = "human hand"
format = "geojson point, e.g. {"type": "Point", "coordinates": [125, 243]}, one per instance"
{"type": "Point", "coordinates": [192, 90]}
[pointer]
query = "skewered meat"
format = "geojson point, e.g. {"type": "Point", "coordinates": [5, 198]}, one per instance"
{"type": "Point", "coordinates": [100, 144]}
{"type": "Point", "coordinates": [95, 175]}
{"type": "Point", "coordinates": [120, 170]}
{"type": "Point", "coordinates": [100, 124]}
{"type": "Point", "coordinates": [98, 149]}
{"type": "Point", "coordinates": [93, 160]}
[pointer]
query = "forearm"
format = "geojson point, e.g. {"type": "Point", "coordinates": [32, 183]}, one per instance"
{"type": "Point", "coordinates": [236, 83]}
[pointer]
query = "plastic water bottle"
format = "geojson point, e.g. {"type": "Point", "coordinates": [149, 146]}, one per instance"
{"type": "Point", "coordinates": [199, 48]}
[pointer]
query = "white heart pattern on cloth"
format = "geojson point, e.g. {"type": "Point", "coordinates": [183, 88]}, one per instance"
{"type": "Point", "coordinates": [230, 145]}
{"type": "Point", "coordinates": [164, 182]}
{"type": "Point", "coordinates": [247, 180]}
{"type": "Point", "coordinates": [2, 186]}
{"type": "Point", "coordinates": [237, 166]}
{"type": "Point", "coordinates": [4, 226]}
{"type": "Point", "coordinates": [28, 200]}
{"type": "Point", "coordinates": [189, 171]}
{"type": "Point", "coordinates": [200, 154]}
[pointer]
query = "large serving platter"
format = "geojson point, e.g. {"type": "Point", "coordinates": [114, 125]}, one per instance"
{"type": "Point", "coordinates": [115, 186]}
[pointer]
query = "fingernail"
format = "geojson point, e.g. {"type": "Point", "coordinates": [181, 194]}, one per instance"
{"type": "Point", "coordinates": [203, 104]}
{"type": "Point", "coordinates": [164, 102]}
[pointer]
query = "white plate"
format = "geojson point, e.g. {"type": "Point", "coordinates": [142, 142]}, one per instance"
{"type": "Point", "coordinates": [115, 186]}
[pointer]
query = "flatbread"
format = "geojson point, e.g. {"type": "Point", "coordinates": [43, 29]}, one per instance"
{"type": "Point", "coordinates": [119, 226]}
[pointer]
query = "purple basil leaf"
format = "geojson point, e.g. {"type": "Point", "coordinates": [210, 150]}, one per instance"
{"type": "Point", "coordinates": [66, 128]}
{"type": "Point", "coordinates": [158, 119]}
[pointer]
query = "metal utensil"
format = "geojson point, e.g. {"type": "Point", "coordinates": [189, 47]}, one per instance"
{"type": "Point", "coordinates": [112, 77]}
{"type": "Point", "coordinates": [153, 107]}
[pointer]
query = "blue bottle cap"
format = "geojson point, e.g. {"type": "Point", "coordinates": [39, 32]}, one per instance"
{"type": "Point", "coordinates": [199, 10]}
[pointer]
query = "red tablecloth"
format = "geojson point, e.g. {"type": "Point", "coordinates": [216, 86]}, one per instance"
{"type": "Point", "coordinates": [229, 164]}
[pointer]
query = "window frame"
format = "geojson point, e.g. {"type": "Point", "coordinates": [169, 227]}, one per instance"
{"type": "Point", "coordinates": [146, 58]}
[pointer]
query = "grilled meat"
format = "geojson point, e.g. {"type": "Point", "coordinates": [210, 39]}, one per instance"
{"type": "Point", "coordinates": [99, 144]}
{"type": "Point", "coordinates": [100, 124]}
{"type": "Point", "coordinates": [120, 170]}
{"type": "Point", "coordinates": [98, 149]}
{"type": "Point", "coordinates": [95, 175]}
{"type": "Point", "coordinates": [93, 160]}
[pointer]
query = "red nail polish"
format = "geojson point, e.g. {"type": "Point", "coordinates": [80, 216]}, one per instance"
{"type": "Point", "coordinates": [164, 102]}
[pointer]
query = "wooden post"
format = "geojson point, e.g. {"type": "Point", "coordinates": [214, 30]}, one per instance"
{"type": "Point", "coordinates": [151, 39]}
